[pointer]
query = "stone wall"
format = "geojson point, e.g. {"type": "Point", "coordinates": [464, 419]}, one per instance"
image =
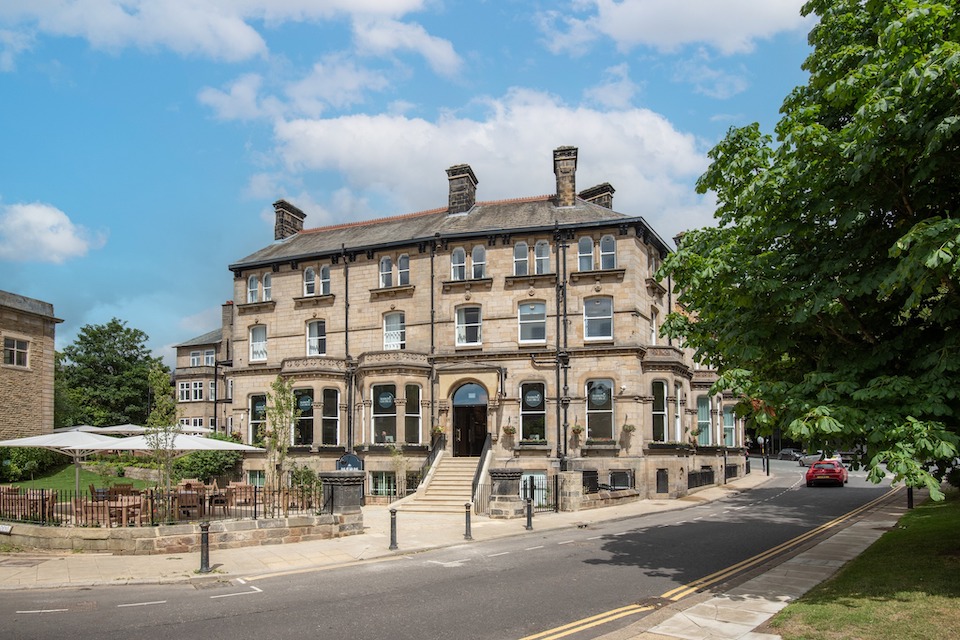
{"type": "Point", "coordinates": [185, 538]}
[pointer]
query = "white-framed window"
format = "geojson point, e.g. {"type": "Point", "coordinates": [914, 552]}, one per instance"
{"type": "Point", "coordinates": [258, 418]}
{"type": "Point", "coordinates": [394, 331]}
{"type": "Point", "coordinates": [183, 391]}
{"type": "Point", "coordinates": [599, 409]}
{"type": "Point", "coordinates": [532, 320]}
{"type": "Point", "coordinates": [412, 418]}
{"type": "Point", "coordinates": [729, 422]}
{"type": "Point", "coordinates": [184, 422]}
{"type": "Point", "coordinates": [194, 358]}
{"type": "Point", "coordinates": [229, 389]}
{"type": "Point", "coordinates": [383, 416]}
{"type": "Point", "coordinates": [542, 256]}
{"type": "Point", "coordinates": [212, 390]}
{"type": "Point", "coordinates": [316, 338]}
{"type": "Point", "coordinates": [468, 326]}
{"type": "Point", "coordinates": [16, 352]}
{"type": "Point", "coordinates": [521, 259]}
{"type": "Point", "coordinates": [608, 252]}
{"type": "Point", "coordinates": [383, 483]}
{"type": "Point", "coordinates": [209, 357]}
{"type": "Point", "coordinates": [704, 423]}
{"type": "Point", "coordinates": [533, 411]}
{"type": "Point", "coordinates": [659, 411]}
{"type": "Point", "coordinates": [196, 422]}
{"type": "Point", "coordinates": [253, 288]}
{"type": "Point", "coordinates": [458, 264]}
{"type": "Point", "coordinates": [585, 254]}
{"type": "Point", "coordinates": [267, 287]}
{"type": "Point", "coordinates": [330, 426]}
{"type": "Point", "coordinates": [403, 270]}
{"type": "Point", "coordinates": [598, 318]}
{"type": "Point", "coordinates": [258, 343]}
{"type": "Point", "coordinates": [309, 281]}
{"type": "Point", "coordinates": [678, 413]}
{"type": "Point", "coordinates": [196, 390]}
{"type": "Point", "coordinates": [386, 272]}
{"type": "Point", "coordinates": [654, 329]}
{"type": "Point", "coordinates": [478, 258]}
{"type": "Point", "coordinates": [325, 280]}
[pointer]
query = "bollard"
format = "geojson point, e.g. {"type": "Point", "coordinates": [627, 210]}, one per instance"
{"type": "Point", "coordinates": [466, 509]}
{"type": "Point", "coordinates": [529, 526]}
{"type": "Point", "coordinates": [768, 464]}
{"type": "Point", "coordinates": [909, 497]}
{"type": "Point", "coordinates": [204, 547]}
{"type": "Point", "coordinates": [393, 529]}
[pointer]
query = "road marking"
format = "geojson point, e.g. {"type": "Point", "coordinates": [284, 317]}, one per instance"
{"type": "Point", "coordinates": [448, 565]}
{"type": "Point", "coordinates": [566, 542]}
{"type": "Point", "coordinates": [533, 548]}
{"type": "Point", "coordinates": [503, 553]}
{"type": "Point", "coordinates": [142, 604]}
{"type": "Point", "coordinates": [589, 623]}
{"type": "Point", "coordinates": [595, 538]}
{"type": "Point", "coordinates": [239, 593]}
{"type": "Point", "coordinates": [44, 611]}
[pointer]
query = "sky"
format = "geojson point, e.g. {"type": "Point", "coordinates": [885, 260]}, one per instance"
{"type": "Point", "coordinates": [143, 142]}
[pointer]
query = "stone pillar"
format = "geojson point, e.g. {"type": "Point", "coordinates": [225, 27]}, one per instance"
{"type": "Point", "coordinates": [505, 501]}
{"type": "Point", "coordinates": [571, 490]}
{"type": "Point", "coordinates": [343, 490]}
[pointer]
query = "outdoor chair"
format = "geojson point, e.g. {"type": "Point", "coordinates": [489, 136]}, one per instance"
{"type": "Point", "coordinates": [189, 503]}
{"type": "Point", "coordinates": [92, 513]}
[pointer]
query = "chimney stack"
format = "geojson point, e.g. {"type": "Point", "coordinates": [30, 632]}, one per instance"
{"type": "Point", "coordinates": [601, 195]}
{"type": "Point", "coordinates": [463, 188]}
{"type": "Point", "coordinates": [289, 220]}
{"type": "Point", "coordinates": [565, 168]}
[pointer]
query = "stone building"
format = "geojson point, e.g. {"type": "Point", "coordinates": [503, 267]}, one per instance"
{"type": "Point", "coordinates": [28, 329]}
{"type": "Point", "coordinates": [524, 332]}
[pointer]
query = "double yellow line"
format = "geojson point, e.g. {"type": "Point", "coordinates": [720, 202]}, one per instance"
{"type": "Point", "coordinates": [702, 583]}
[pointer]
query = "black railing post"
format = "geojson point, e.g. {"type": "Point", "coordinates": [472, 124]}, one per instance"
{"type": "Point", "coordinates": [393, 529]}
{"type": "Point", "coordinates": [466, 535]}
{"type": "Point", "coordinates": [204, 547]}
{"type": "Point", "coordinates": [529, 526]}
{"type": "Point", "coordinates": [909, 497]}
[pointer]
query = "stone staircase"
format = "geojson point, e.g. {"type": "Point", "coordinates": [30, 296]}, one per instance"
{"type": "Point", "coordinates": [449, 489]}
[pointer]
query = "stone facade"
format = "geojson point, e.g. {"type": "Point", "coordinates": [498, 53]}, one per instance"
{"type": "Point", "coordinates": [27, 330]}
{"type": "Point", "coordinates": [533, 322]}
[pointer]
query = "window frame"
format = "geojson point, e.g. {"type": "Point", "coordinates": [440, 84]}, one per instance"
{"type": "Point", "coordinates": [521, 263]}
{"type": "Point", "coordinates": [330, 416]}
{"type": "Point", "coordinates": [253, 288]}
{"type": "Point", "coordinates": [16, 352]}
{"type": "Point", "coordinates": [729, 426]}
{"type": "Point", "coordinates": [401, 343]}
{"type": "Point", "coordinates": [209, 357]}
{"type": "Point", "coordinates": [325, 280]}
{"type": "Point", "coordinates": [608, 252]}
{"type": "Point", "coordinates": [523, 323]}
{"type": "Point", "coordinates": [267, 285]}
{"type": "Point", "coordinates": [478, 251]}
{"type": "Point", "coordinates": [403, 270]}
{"type": "Point", "coordinates": [541, 259]}
{"type": "Point", "coordinates": [658, 411]}
{"type": "Point", "coordinates": [600, 418]}
{"type": "Point", "coordinates": [195, 358]}
{"type": "Point", "coordinates": [386, 272]}
{"type": "Point", "coordinates": [463, 324]}
{"type": "Point", "coordinates": [309, 282]}
{"type": "Point", "coordinates": [585, 254]}
{"type": "Point", "coordinates": [412, 414]}
{"type": "Point", "coordinates": [590, 321]}
{"type": "Point", "coordinates": [383, 420]}
{"type": "Point", "coordinates": [533, 413]}
{"type": "Point", "coordinates": [254, 354]}
{"type": "Point", "coordinates": [458, 264]}
{"type": "Point", "coordinates": [704, 420]}
{"type": "Point", "coordinates": [316, 344]}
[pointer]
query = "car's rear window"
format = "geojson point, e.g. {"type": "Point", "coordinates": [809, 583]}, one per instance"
{"type": "Point", "coordinates": [824, 465]}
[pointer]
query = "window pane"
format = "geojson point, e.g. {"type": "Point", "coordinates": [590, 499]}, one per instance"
{"type": "Point", "coordinates": [479, 259]}
{"type": "Point", "coordinates": [533, 322]}
{"type": "Point", "coordinates": [317, 338]}
{"type": "Point", "coordinates": [325, 280]}
{"type": "Point", "coordinates": [703, 420]}
{"type": "Point", "coordinates": [384, 413]}
{"type": "Point", "coordinates": [520, 259]}
{"type": "Point", "coordinates": [608, 252]}
{"type": "Point", "coordinates": [394, 331]}
{"type": "Point", "coordinates": [468, 325]}
{"type": "Point", "coordinates": [386, 272]}
{"type": "Point", "coordinates": [303, 430]}
{"type": "Point", "coordinates": [331, 416]}
{"type": "Point", "coordinates": [585, 254]}
{"type": "Point", "coordinates": [600, 409]}
{"type": "Point", "coordinates": [543, 257]}
{"type": "Point", "coordinates": [309, 282]}
{"type": "Point", "coordinates": [253, 288]}
{"type": "Point", "coordinates": [458, 264]}
{"type": "Point", "coordinates": [598, 318]}
{"type": "Point", "coordinates": [267, 287]}
{"type": "Point", "coordinates": [403, 270]}
{"type": "Point", "coordinates": [659, 411]}
{"type": "Point", "coordinates": [533, 420]}
{"type": "Point", "coordinates": [411, 422]}
{"type": "Point", "coordinates": [258, 343]}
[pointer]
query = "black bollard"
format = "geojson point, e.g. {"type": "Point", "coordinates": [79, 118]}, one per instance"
{"type": "Point", "coordinates": [204, 547]}
{"type": "Point", "coordinates": [466, 509]}
{"type": "Point", "coordinates": [529, 526]}
{"type": "Point", "coordinates": [909, 497]}
{"type": "Point", "coordinates": [393, 529]}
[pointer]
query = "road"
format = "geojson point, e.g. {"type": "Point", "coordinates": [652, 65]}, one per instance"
{"type": "Point", "coordinates": [507, 588]}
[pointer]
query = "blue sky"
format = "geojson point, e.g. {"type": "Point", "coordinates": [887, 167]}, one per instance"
{"type": "Point", "coordinates": [143, 142]}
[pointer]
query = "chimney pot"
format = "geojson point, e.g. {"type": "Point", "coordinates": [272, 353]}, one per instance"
{"type": "Point", "coordinates": [565, 168]}
{"type": "Point", "coordinates": [601, 195]}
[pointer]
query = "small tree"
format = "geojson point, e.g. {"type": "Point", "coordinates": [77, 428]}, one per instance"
{"type": "Point", "coordinates": [282, 414]}
{"type": "Point", "coordinates": [162, 428]}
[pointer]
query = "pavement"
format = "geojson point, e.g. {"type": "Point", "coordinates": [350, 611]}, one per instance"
{"type": "Point", "coordinates": [733, 614]}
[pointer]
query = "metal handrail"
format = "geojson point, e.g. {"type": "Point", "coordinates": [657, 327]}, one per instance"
{"type": "Point", "coordinates": [438, 444]}
{"type": "Point", "coordinates": [483, 456]}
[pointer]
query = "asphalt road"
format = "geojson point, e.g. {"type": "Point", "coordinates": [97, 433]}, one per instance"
{"type": "Point", "coordinates": [507, 588]}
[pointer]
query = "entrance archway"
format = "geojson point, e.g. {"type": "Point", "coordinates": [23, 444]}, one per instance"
{"type": "Point", "coordinates": [469, 420]}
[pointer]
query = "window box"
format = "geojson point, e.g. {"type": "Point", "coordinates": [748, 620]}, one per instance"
{"type": "Point", "coordinates": [600, 444]}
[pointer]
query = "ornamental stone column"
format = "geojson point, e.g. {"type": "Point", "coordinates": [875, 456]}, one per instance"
{"type": "Point", "coordinates": [505, 500]}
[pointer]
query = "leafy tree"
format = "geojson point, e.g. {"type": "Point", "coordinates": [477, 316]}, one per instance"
{"type": "Point", "coordinates": [103, 376]}
{"type": "Point", "coordinates": [282, 414]}
{"type": "Point", "coordinates": [206, 465]}
{"type": "Point", "coordinates": [162, 429]}
{"type": "Point", "coordinates": [828, 293]}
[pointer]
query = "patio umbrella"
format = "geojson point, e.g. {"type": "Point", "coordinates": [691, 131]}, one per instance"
{"type": "Point", "coordinates": [181, 442]}
{"type": "Point", "coordinates": [74, 443]}
{"type": "Point", "coordinates": [122, 430]}
{"type": "Point", "coordinates": [195, 430]}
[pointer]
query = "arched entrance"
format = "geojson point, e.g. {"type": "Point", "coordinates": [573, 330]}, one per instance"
{"type": "Point", "coordinates": [469, 420]}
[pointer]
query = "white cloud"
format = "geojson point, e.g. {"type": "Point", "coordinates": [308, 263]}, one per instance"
{"type": "Point", "coordinates": [334, 81]}
{"type": "Point", "coordinates": [616, 90]}
{"type": "Point", "coordinates": [708, 80]}
{"type": "Point", "coordinates": [382, 37]}
{"type": "Point", "coordinates": [731, 26]}
{"type": "Point", "coordinates": [11, 44]}
{"type": "Point", "coordinates": [240, 101]}
{"type": "Point", "coordinates": [42, 233]}
{"type": "Point", "coordinates": [399, 161]}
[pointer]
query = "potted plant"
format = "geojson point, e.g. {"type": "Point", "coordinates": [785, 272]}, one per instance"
{"type": "Point", "coordinates": [509, 430]}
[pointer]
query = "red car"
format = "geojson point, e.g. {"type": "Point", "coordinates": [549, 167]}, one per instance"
{"type": "Point", "coordinates": [827, 472]}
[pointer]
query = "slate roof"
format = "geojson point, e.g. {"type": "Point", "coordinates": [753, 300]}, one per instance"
{"type": "Point", "coordinates": [212, 337]}
{"type": "Point", "coordinates": [27, 305]}
{"type": "Point", "coordinates": [485, 218]}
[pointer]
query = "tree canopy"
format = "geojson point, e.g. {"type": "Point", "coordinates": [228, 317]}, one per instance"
{"type": "Point", "coordinates": [102, 378]}
{"type": "Point", "coordinates": [828, 293]}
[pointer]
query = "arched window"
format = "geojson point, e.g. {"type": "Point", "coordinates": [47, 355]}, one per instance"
{"type": "Point", "coordinates": [479, 259]}
{"type": "Point", "coordinates": [585, 254]}
{"type": "Point", "coordinates": [258, 343]}
{"type": "Point", "coordinates": [608, 252]}
{"type": "Point", "coordinates": [520, 259]}
{"type": "Point", "coordinates": [267, 287]}
{"type": "Point", "coordinates": [458, 264]}
{"type": "Point", "coordinates": [470, 395]}
{"type": "Point", "coordinates": [394, 331]}
{"type": "Point", "coordinates": [309, 281]}
{"type": "Point", "coordinates": [542, 254]}
{"type": "Point", "coordinates": [386, 272]}
{"type": "Point", "coordinates": [325, 280]}
{"type": "Point", "coordinates": [253, 289]}
{"type": "Point", "coordinates": [403, 270]}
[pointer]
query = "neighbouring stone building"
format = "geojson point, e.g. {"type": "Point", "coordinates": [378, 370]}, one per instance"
{"type": "Point", "coordinates": [524, 332]}
{"type": "Point", "coordinates": [27, 328]}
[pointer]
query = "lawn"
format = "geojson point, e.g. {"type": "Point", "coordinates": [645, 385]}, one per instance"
{"type": "Point", "coordinates": [905, 586]}
{"type": "Point", "coordinates": [63, 479]}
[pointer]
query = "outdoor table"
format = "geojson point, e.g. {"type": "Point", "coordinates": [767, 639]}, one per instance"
{"type": "Point", "coordinates": [125, 506]}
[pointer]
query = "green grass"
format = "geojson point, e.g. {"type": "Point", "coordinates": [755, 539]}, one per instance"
{"type": "Point", "coordinates": [905, 586]}
{"type": "Point", "coordinates": [63, 479]}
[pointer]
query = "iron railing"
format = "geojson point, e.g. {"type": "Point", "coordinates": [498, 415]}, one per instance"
{"type": "Point", "coordinates": [702, 478]}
